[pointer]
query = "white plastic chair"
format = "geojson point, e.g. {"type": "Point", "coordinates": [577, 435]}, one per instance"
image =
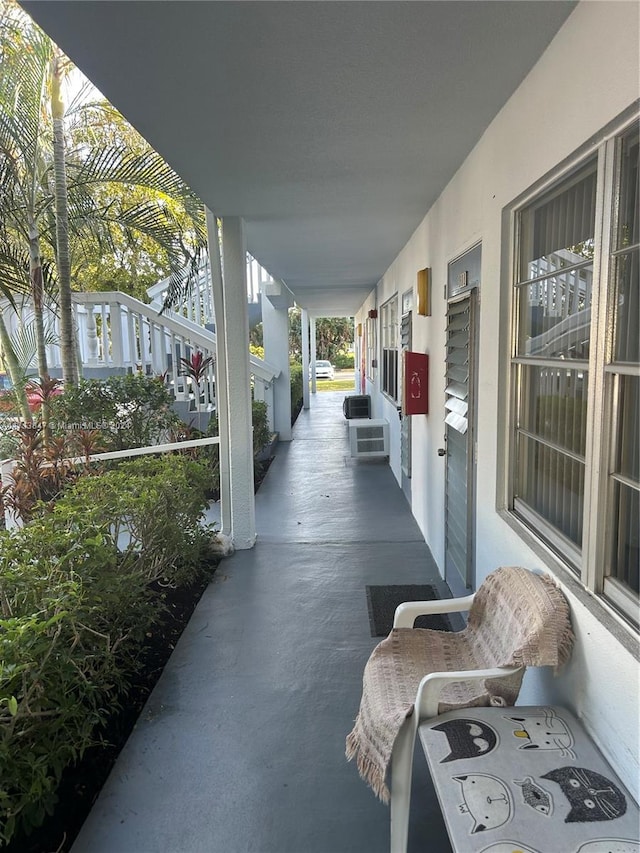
{"type": "Point", "coordinates": [516, 619]}
{"type": "Point", "coordinates": [426, 706]}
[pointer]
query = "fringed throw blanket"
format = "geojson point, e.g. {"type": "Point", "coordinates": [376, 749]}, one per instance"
{"type": "Point", "coordinates": [517, 619]}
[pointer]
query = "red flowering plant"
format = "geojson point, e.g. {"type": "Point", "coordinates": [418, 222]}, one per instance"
{"type": "Point", "coordinates": [196, 368]}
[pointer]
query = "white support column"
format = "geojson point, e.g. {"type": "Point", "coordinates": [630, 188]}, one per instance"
{"type": "Point", "coordinates": [304, 335]}
{"type": "Point", "coordinates": [222, 382]}
{"type": "Point", "coordinates": [236, 319]}
{"type": "Point", "coordinates": [275, 329]}
{"type": "Point", "coordinates": [312, 336]}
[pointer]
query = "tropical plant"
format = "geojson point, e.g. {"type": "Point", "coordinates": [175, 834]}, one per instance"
{"type": "Point", "coordinates": [63, 254]}
{"type": "Point", "coordinates": [195, 368]}
{"type": "Point", "coordinates": [260, 422]}
{"type": "Point", "coordinates": [72, 191]}
{"type": "Point", "coordinates": [25, 56]}
{"type": "Point", "coordinates": [156, 506]}
{"type": "Point", "coordinates": [133, 410]}
{"type": "Point", "coordinates": [76, 602]}
{"type": "Point", "coordinates": [41, 471]}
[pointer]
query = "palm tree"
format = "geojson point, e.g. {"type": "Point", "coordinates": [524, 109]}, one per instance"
{"type": "Point", "coordinates": [60, 200]}
{"type": "Point", "coordinates": [24, 57]}
{"type": "Point", "coordinates": [63, 256]}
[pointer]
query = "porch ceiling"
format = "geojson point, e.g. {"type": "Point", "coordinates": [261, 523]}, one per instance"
{"type": "Point", "coordinates": [331, 127]}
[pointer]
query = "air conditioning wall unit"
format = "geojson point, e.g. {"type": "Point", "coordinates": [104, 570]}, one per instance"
{"type": "Point", "coordinates": [369, 438]}
{"type": "Point", "coordinates": [357, 406]}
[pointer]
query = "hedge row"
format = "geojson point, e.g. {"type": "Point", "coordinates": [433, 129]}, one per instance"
{"type": "Point", "coordinates": [79, 589]}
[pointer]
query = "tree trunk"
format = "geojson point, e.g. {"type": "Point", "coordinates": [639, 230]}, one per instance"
{"type": "Point", "coordinates": [15, 372]}
{"type": "Point", "coordinates": [63, 257]}
{"type": "Point", "coordinates": [37, 294]}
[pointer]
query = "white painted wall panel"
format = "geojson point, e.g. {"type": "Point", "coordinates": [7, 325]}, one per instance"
{"type": "Point", "coordinates": [588, 76]}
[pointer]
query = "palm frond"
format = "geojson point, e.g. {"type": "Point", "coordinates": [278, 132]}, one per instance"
{"type": "Point", "coordinates": [14, 272]}
{"type": "Point", "coordinates": [183, 279]}
{"type": "Point", "coordinates": [24, 342]}
{"type": "Point", "coordinates": [23, 74]}
{"type": "Point", "coordinates": [119, 165]}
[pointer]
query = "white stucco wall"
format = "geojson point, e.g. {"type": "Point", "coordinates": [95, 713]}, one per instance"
{"type": "Point", "coordinates": [587, 77]}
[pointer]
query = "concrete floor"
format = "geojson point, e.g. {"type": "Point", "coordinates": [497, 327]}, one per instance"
{"type": "Point", "coordinates": [241, 745]}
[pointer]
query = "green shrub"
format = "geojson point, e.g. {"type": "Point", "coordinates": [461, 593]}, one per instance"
{"type": "Point", "coordinates": [260, 422]}
{"type": "Point", "coordinates": [344, 361]}
{"type": "Point", "coordinates": [79, 588]}
{"type": "Point", "coordinates": [296, 386]}
{"type": "Point", "coordinates": [133, 410]}
{"type": "Point", "coordinates": [209, 457]}
{"type": "Point", "coordinates": [69, 612]}
{"type": "Point", "coordinates": [155, 504]}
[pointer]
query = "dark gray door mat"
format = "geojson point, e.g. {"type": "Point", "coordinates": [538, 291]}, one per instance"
{"type": "Point", "coordinates": [383, 600]}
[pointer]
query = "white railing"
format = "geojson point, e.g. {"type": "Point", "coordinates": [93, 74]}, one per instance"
{"type": "Point", "coordinates": [118, 333]}
{"type": "Point", "coordinates": [12, 521]}
{"type": "Point", "coordinates": [197, 304]}
{"type": "Point", "coordinates": [116, 330]}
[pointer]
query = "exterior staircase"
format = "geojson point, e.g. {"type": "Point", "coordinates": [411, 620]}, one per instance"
{"type": "Point", "coordinates": [117, 333]}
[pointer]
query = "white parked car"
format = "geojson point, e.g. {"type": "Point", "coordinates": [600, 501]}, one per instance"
{"type": "Point", "coordinates": [324, 370]}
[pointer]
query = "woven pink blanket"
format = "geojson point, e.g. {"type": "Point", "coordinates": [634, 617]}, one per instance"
{"type": "Point", "coordinates": [517, 619]}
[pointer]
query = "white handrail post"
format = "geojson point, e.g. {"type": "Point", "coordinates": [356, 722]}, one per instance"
{"type": "Point", "coordinates": [80, 327]}
{"type": "Point", "coordinates": [115, 322]}
{"type": "Point", "coordinates": [131, 355]}
{"type": "Point", "coordinates": [92, 336]}
{"type": "Point", "coordinates": [104, 333]}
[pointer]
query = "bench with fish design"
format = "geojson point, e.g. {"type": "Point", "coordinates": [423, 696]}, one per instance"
{"type": "Point", "coordinates": [526, 780]}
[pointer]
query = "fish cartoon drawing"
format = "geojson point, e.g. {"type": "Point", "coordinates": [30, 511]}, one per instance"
{"type": "Point", "coordinates": [535, 796]}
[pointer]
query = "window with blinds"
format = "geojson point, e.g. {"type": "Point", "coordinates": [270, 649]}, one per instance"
{"type": "Point", "coordinates": [372, 347]}
{"type": "Point", "coordinates": [575, 447]}
{"type": "Point", "coordinates": [389, 333]}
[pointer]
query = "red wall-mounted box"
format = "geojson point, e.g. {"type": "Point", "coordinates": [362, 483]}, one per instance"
{"type": "Point", "coordinates": [415, 386]}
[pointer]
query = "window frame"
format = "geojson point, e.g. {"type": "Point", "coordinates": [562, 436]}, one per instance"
{"type": "Point", "coordinates": [591, 564]}
{"type": "Point", "coordinates": [389, 347]}
{"type": "Point", "coordinates": [371, 339]}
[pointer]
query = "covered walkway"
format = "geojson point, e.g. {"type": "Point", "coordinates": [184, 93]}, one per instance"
{"type": "Point", "coordinates": [241, 745]}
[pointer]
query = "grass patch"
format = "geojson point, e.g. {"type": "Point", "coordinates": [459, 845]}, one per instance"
{"type": "Point", "coordinates": [335, 384]}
